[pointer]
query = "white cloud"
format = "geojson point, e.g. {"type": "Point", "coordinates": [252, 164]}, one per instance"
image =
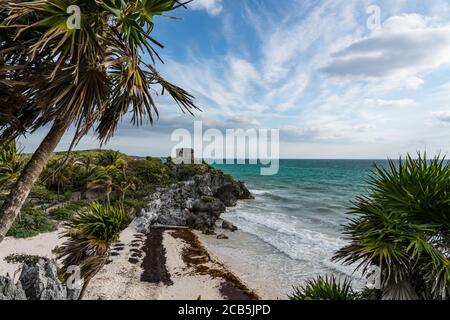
{"type": "Point", "coordinates": [441, 116]}
{"type": "Point", "coordinates": [288, 41]}
{"type": "Point", "coordinates": [405, 45]}
{"type": "Point", "coordinates": [213, 7]}
{"type": "Point", "coordinates": [267, 76]}
{"type": "Point", "coordinates": [391, 103]}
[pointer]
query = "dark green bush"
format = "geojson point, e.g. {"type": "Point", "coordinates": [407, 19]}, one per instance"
{"type": "Point", "coordinates": [187, 171]}
{"type": "Point", "coordinates": [67, 212]}
{"type": "Point", "coordinates": [39, 192]}
{"type": "Point", "coordinates": [208, 199]}
{"type": "Point", "coordinates": [149, 171]}
{"type": "Point", "coordinates": [62, 213]}
{"type": "Point", "coordinates": [31, 223]}
{"type": "Point", "coordinates": [135, 204]}
{"type": "Point", "coordinates": [22, 258]}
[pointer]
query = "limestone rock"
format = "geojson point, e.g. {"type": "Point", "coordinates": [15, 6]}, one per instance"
{"type": "Point", "coordinates": [229, 226]}
{"type": "Point", "coordinates": [196, 201]}
{"type": "Point", "coordinates": [11, 291]}
{"type": "Point", "coordinates": [40, 281]}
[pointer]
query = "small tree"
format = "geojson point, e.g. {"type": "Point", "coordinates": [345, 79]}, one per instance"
{"type": "Point", "coordinates": [90, 236]}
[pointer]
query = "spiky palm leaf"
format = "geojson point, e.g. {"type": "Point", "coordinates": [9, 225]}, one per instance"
{"type": "Point", "coordinates": [90, 235]}
{"type": "Point", "coordinates": [11, 163]}
{"type": "Point", "coordinates": [90, 75]}
{"type": "Point", "coordinates": [402, 228]}
{"type": "Point", "coordinates": [324, 288]}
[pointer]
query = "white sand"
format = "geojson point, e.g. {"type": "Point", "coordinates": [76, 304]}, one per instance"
{"type": "Point", "coordinates": [245, 275]}
{"type": "Point", "coordinates": [40, 245]}
{"type": "Point", "coordinates": [120, 279]}
{"type": "Point", "coordinates": [186, 284]}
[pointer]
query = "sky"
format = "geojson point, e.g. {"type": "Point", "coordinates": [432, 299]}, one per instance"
{"type": "Point", "coordinates": [335, 78]}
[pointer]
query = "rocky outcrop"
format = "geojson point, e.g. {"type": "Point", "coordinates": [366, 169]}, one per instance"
{"type": "Point", "coordinates": [37, 281]}
{"type": "Point", "coordinates": [197, 202]}
{"type": "Point", "coordinates": [11, 291]}
{"type": "Point", "coordinates": [229, 226]}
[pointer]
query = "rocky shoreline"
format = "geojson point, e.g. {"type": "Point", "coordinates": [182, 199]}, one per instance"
{"type": "Point", "coordinates": [196, 202]}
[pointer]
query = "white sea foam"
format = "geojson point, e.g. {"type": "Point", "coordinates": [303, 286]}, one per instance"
{"type": "Point", "coordinates": [291, 237]}
{"type": "Point", "coordinates": [257, 192]}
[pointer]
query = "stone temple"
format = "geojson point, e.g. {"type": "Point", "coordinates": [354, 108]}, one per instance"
{"type": "Point", "coordinates": [184, 155]}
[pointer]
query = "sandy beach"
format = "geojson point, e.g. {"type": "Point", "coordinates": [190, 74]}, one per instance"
{"type": "Point", "coordinates": [41, 245]}
{"type": "Point", "coordinates": [165, 264]}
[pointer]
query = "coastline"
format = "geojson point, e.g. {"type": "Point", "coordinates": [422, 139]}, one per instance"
{"type": "Point", "coordinates": [161, 254]}
{"type": "Point", "coordinates": [213, 246]}
{"type": "Point", "coordinates": [178, 262]}
{"type": "Point", "coordinates": [166, 264]}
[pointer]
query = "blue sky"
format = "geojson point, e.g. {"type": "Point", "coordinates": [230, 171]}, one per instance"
{"type": "Point", "coordinates": [314, 69]}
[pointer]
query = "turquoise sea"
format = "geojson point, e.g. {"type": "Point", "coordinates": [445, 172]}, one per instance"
{"type": "Point", "coordinates": [291, 230]}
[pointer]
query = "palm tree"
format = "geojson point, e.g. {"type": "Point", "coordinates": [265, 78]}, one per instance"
{"type": "Point", "coordinates": [90, 236]}
{"type": "Point", "coordinates": [402, 229]}
{"type": "Point", "coordinates": [126, 183]}
{"type": "Point", "coordinates": [86, 77]}
{"type": "Point", "coordinates": [57, 174]}
{"type": "Point", "coordinates": [11, 163]}
{"type": "Point", "coordinates": [84, 168]}
{"type": "Point", "coordinates": [109, 158]}
{"type": "Point", "coordinates": [103, 180]}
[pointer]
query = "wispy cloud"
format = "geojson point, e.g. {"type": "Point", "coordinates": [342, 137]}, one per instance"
{"type": "Point", "coordinates": [391, 103]}
{"type": "Point", "coordinates": [213, 7]}
{"type": "Point", "coordinates": [441, 116]}
{"type": "Point", "coordinates": [314, 70]}
{"type": "Point", "coordinates": [404, 45]}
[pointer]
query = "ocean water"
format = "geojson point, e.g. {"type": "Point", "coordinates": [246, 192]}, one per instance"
{"type": "Point", "coordinates": [292, 228]}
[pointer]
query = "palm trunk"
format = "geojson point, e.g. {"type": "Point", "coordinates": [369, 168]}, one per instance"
{"type": "Point", "coordinates": [19, 192]}
{"type": "Point", "coordinates": [122, 197]}
{"type": "Point", "coordinates": [108, 201]}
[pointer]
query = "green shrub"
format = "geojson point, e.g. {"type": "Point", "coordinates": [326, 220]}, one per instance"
{"type": "Point", "coordinates": [67, 212]}
{"type": "Point", "coordinates": [208, 199]}
{"type": "Point", "coordinates": [22, 258]}
{"type": "Point", "coordinates": [135, 204]}
{"type": "Point", "coordinates": [149, 171]}
{"type": "Point", "coordinates": [31, 223]}
{"type": "Point", "coordinates": [61, 214]}
{"type": "Point", "coordinates": [187, 171]}
{"type": "Point", "coordinates": [68, 195]}
{"type": "Point", "coordinates": [324, 288]}
{"type": "Point", "coordinates": [77, 205]}
{"type": "Point", "coordinates": [41, 193]}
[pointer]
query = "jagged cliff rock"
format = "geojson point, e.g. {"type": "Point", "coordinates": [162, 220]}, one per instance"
{"type": "Point", "coordinates": [37, 281]}
{"type": "Point", "coordinates": [195, 202]}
